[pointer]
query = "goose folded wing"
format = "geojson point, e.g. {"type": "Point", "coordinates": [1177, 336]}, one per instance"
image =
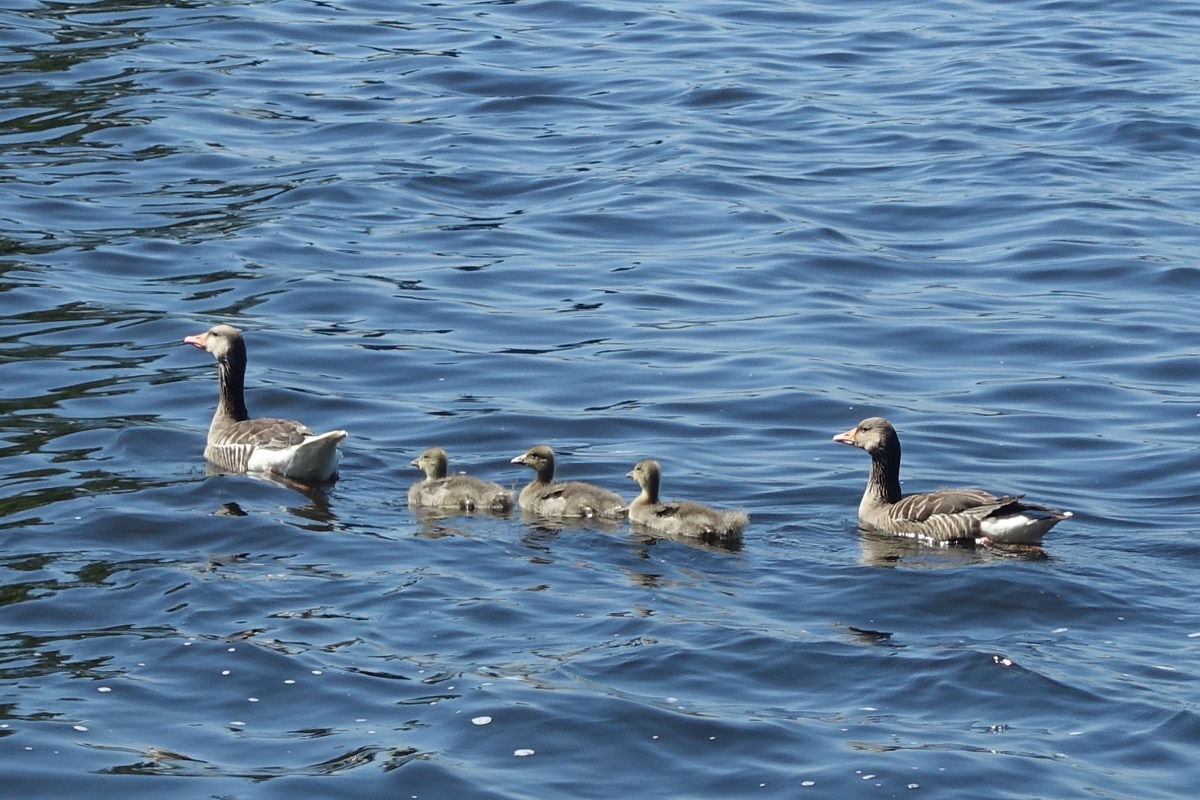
{"type": "Point", "coordinates": [572, 490]}
{"type": "Point", "coordinates": [969, 503]}
{"type": "Point", "coordinates": [272, 434]}
{"type": "Point", "coordinates": [667, 509]}
{"type": "Point", "coordinates": [553, 491]}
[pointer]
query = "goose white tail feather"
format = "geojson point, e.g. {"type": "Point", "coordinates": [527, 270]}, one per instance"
{"type": "Point", "coordinates": [314, 459]}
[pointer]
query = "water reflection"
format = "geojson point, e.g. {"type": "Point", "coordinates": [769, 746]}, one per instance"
{"type": "Point", "coordinates": [884, 550]}
{"type": "Point", "coordinates": [718, 544]}
{"type": "Point", "coordinates": [216, 562]}
{"type": "Point", "coordinates": [552, 526]}
{"type": "Point", "coordinates": [318, 510]}
{"type": "Point", "coordinates": [433, 513]}
{"type": "Point", "coordinates": [873, 637]}
{"type": "Point", "coordinates": [438, 523]}
{"type": "Point", "coordinates": [230, 509]}
{"type": "Point", "coordinates": [32, 655]}
{"type": "Point", "coordinates": [159, 761]}
{"type": "Point", "coordinates": [52, 570]}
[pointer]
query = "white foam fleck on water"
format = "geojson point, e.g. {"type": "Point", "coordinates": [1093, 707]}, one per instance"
{"type": "Point", "coordinates": [808, 783]}
{"type": "Point", "coordinates": [80, 728]}
{"type": "Point", "coordinates": [481, 720]}
{"type": "Point", "coordinates": [103, 689]}
{"type": "Point", "coordinates": [523, 752]}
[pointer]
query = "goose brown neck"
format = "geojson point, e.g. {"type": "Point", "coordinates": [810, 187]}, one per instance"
{"type": "Point", "coordinates": [231, 405]}
{"type": "Point", "coordinates": [650, 487]}
{"type": "Point", "coordinates": [884, 479]}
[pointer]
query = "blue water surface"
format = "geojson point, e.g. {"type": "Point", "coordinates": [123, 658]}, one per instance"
{"type": "Point", "coordinates": [711, 233]}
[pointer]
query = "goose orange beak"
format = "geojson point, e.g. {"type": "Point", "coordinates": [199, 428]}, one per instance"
{"type": "Point", "coordinates": [199, 340]}
{"type": "Point", "coordinates": [846, 437]}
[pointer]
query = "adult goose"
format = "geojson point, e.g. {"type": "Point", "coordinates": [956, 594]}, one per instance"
{"type": "Point", "coordinates": [943, 515]}
{"type": "Point", "coordinates": [569, 499]}
{"type": "Point", "coordinates": [455, 491]}
{"type": "Point", "coordinates": [680, 517]}
{"type": "Point", "coordinates": [237, 443]}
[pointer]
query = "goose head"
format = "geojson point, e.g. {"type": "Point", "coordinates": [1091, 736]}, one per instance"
{"type": "Point", "coordinates": [433, 462]}
{"type": "Point", "coordinates": [540, 459]}
{"type": "Point", "coordinates": [648, 474]}
{"type": "Point", "coordinates": [224, 342]}
{"type": "Point", "coordinates": [875, 435]}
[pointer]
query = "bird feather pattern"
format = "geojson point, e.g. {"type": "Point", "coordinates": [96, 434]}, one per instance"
{"type": "Point", "coordinates": [238, 443]}
{"type": "Point", "coordinates": [943, 515]}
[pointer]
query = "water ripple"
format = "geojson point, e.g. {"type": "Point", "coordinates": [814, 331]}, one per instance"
{"type": "Point", "coordinates": [713, 235]}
